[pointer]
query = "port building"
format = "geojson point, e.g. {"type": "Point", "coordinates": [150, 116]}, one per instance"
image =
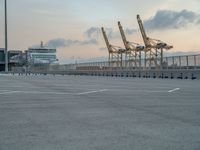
{"type": "Point", "coordinates": [41, 55]}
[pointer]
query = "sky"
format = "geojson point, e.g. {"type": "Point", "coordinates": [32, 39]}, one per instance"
{"type": "Point", "coordinates": [73, 26]}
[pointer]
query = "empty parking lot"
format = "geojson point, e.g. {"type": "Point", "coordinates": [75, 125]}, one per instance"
{"type": "Point", "coordinates": [94, 113]}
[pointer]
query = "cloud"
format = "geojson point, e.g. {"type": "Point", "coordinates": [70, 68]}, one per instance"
{"type": "Point", "coordinates": [95, 33]}
{"type": "Point", "coordinates": [93, 36]}
{"type": "Point", "coordinates": [163, 19]}
{"type": "Point", "coordinates": [198, 21]}
{"type": "Point", "coordinates": [168, 19]}
{"type": "Point", "coordinates": [91, 39]}
{"type": "Point", "coordinates": [59, 42]}
{"type": "Point", "coordinates": [130, 31]}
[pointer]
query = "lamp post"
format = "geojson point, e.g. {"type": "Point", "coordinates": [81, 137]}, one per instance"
{"type": "Point", "coordinates": [6, 39]}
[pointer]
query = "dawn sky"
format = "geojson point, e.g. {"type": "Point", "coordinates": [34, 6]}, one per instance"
{"type": "Point", "coordinates": [73, 26]}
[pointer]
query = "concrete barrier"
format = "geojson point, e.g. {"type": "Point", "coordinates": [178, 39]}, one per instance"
{"type": "Point", "coordinates": [162, 74]}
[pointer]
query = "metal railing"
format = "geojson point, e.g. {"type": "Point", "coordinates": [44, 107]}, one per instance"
{"type": "Point", "coordinates": [186, 62]}
{"type": "Point", "coordinates": [173, 62]}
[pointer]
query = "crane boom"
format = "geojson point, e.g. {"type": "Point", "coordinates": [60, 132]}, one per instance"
{"type": "Point", "coordinates": [154, 48]}
{"type": "Point", "coordinates": [143, 32]}
{"type": "Point", "coordinates": [133, 50]}
{"type": "Point", "coordinates": [129, 45]}
{"type": "Point", "coordinates": [123, 35]}
{"type": "Point", "coordinates": [106, 39]}
{"type": "Point", "coordinates": [115, 52]}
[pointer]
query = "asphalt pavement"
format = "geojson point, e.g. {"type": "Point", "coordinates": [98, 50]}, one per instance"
{"type": "Point", "coordinates": [98, 113]}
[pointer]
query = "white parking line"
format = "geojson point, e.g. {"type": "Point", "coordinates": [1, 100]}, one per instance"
{"type": "Point", "coordinates": [90, 92]}
{"type": "Point", "coordinates": [176, 89]}
{"type": "Point", "coordinates": [56, 93]}
{"type": "Point", "coordinates": [8, 92]}
{"type": "Point", "coordinates": [37, 92]}
{"type": "Point", "coordinates": [33, 92]}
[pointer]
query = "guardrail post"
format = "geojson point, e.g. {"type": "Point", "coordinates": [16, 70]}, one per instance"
{"type": "Point", "coordinates": [173, 62]}
{"type": "Point", "coordinates": [195, 62]}
{"type": "Point", "coordinates": [167, 63]}
{"type": "Point", "coordinates": [180, 62]}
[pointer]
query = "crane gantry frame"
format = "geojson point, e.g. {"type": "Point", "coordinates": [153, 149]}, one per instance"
{"type": "Point", "coordinates": [133, 50]}
{"type": "Point", "coordinates": [153, 48]}
{"type": "Point", "coordinates": [115, 52]}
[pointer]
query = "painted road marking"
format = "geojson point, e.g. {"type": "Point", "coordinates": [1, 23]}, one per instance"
{"type": "Point", "coordinates": [90, 92]}
{"type": "Point", "coordinates": [56, 93]}
{"type": "Point", "coordinates": [8, 92]}
{"type": "Point", "coordinates": [34, 92]}
{"type": "Point", "coordinates": [11, 86]}
{"type": "Point", "coordinates": [37, 92]}
{"type": "Point", "coordinates": [174, 90]}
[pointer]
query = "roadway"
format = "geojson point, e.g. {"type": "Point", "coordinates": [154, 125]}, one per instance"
{"type": "Point", "coordinates": [98, 113]}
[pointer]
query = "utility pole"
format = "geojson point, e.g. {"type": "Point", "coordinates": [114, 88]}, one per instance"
{"type": "Point", "coordinates": [6, 39]}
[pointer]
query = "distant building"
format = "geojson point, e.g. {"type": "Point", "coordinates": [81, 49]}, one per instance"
{"type": "Point", "coordinates": [41, 55]}
{"type": "Point", "coordinates": [2, 59]}
{"type": "Point", "coordinates": [15, 56]}
{"type": "Point", "coordinates": [33, 56]}
{"type": "Point", "coordinates": [15, 59]}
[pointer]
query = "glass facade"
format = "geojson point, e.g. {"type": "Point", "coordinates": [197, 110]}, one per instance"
{"type": "Point", "coordinates": [2, 56]}
{"type": "Point", "coordinates": [41, 55]}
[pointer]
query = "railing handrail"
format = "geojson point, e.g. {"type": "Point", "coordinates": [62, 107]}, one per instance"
{"type": "Point", "coordinates": [95, 62]}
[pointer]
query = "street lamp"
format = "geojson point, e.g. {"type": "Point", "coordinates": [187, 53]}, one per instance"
{"type": "Point", "coordinates": [6, 39]}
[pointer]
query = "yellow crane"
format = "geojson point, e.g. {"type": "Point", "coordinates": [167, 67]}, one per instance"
{"type": "Point", "coordinates": [153, 48]}
{"type": "Point", "coordinates": [115, 52]}
{"type": "Point", "coordinates": [133, 50]}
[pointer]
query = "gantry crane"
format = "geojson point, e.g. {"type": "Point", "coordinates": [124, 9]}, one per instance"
{"type": "Point", "coordinates": [115, 52]}
{"type": "Point", "coordinates": [153, 48]}
{"type": "Point", "coordinates": [133, 50]}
